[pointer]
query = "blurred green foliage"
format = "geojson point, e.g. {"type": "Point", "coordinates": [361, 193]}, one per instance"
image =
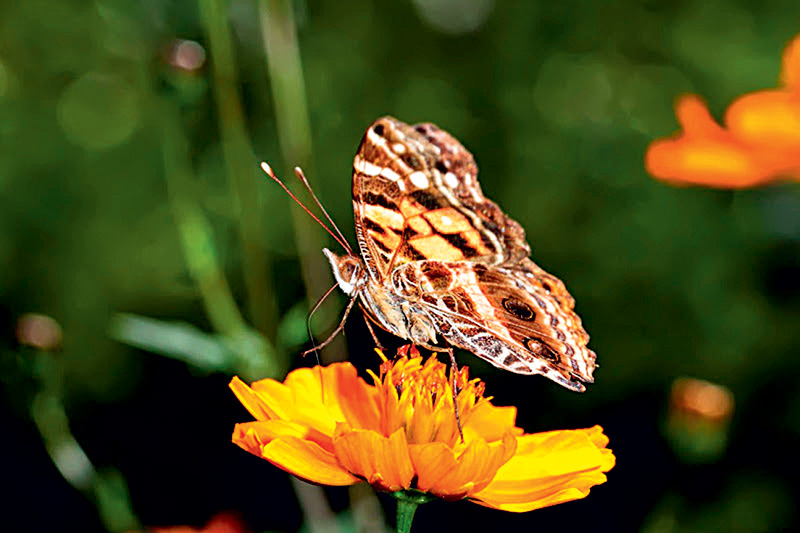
{"type": "Point", "coordinates": [132, 207]}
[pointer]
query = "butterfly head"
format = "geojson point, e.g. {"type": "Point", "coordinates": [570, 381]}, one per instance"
{"type": "Point", "coordinates": [348, 271]}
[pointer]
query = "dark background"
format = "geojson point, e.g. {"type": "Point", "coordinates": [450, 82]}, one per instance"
{"type": "Point", "coordinates": [133, 212]}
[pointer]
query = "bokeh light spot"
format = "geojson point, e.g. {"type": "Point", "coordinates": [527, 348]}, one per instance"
{"type": "Point", "coordinates": [186, 55]}
{"type": "Point", "coordinates": [454, 17]}
{"type": "Point", "coordinates": [39, 331]}
{"type": "Point", "coordinates": [575, 92]}
{"type": "Point", "coordinates": [98, 111]}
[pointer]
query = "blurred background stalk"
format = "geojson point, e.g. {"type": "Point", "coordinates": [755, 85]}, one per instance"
{"type": "Point", "coordinates": [255, 356]}
{"type": "Point", "coordinates": [241, 166]}
{"type": "Point", "coordinates": [294, 135]}
{"type": "Point", "coordinates": [105, 488]}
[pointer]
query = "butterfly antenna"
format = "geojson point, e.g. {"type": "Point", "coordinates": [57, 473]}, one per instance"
{"type": "Point", "coordinates": [268, 169]}
{"type": "Point", "coordinates": [299, 172]}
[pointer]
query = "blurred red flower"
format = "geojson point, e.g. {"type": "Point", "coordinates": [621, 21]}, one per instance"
{"type": "Point", "coordinates": [225, 522]}
{"type": "Point", "coordinates": [760, 142]}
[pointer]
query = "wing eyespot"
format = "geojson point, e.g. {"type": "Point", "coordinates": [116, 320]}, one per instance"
{"type": "Point", "coordinates": [411, 161]}
{"type": "Point", "coordinates": [378, 129]}
{"type": "Point", "coordinates": [519, 309]}
{"type": "Point", "coordinates": [540, 349]}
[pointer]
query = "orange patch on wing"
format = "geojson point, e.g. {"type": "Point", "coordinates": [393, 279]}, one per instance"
{"type": "Point", "coordinates": [409, 208]}
{"type": "Point", "coordinates": [436, 247]}
{"type": "Point", "coordinates": [473, 238]}
{"type": "Point", "coordinates": [419, 226]}
{"type": "Point", "coordinates": [388, 218]}
{"type": "Point", "coordinates": [389, 239]}
{"type": "Point", "coordinates": [448, 220]}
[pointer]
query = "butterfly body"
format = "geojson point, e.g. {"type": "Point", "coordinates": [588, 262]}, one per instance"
{"type": "Point", "coordinates": [439, 262]}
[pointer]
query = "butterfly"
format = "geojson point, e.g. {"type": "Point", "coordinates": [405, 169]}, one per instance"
{"type": "Point", "coordinates": [442, 266]}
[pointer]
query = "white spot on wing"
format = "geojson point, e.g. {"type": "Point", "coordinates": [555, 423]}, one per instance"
{"type": "Point", "coordinates": [446, 220]}
{"type": "Point", "coordinates": [370, 169]}
{"type": "Point", "coordinates": [390, 174]}
{"type": "Point", "coordinates": [451, 180]}
{"type": "Point", "coordinates": [399, 148]}
{"type": "Point", "coordinates": [419, 180]}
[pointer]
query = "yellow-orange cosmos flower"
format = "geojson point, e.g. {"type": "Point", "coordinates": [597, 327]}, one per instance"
{"type": "Point", "coordinates": [760, 143]}
{"type": "Point", "coordinates": [328, 426]}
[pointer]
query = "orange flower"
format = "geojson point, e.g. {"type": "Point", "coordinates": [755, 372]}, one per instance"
{"type": "Point", "coordinates": [328, 426]}
{"type": "Point", "coordinates": [760, 143]}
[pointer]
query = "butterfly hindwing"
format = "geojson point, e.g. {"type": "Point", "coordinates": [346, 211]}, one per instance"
{"type": "Point", "coordinates": [508, 316]}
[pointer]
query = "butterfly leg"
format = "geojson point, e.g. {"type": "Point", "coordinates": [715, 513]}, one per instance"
{"type": "Point", "coordinates": [338, 329]}
{"type": "Point", "coordinates": [453, 383]}
{"type": "Point", "coordinates": [372, 332]}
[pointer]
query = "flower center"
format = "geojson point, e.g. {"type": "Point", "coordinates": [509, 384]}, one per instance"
{"type": "Point", "coordinates": [417, 395]}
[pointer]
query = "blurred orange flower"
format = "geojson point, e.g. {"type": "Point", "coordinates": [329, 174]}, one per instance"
{"type": "Point", "coordinates": [328, 426]}
{"type": "Point", "coordinates": [759, 143]}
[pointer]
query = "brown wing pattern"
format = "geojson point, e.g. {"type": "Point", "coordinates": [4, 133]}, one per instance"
{"type": "Point", "coordinates": [519, 319]}
{"type": "Point", "coordinates": [416, 196]}
{"type": "Point", "coordinates": [438, 252]}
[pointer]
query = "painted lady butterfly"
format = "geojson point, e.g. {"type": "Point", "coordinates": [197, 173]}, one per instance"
{"type": "Point", "coordinates": [438, 259]}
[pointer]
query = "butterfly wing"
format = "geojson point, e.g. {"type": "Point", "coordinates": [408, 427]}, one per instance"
{"type": "Point", "coordinates": [518, 318]}
{"type": "Point", "coordinates": [416, 196]}
{"type": "Point", "coordinates": [425, 229]}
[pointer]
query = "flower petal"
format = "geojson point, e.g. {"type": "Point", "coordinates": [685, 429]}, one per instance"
{"type": "Point", "coordinates": [252, 401]}
{"type": "Point", "coordinates": [549, 468]}
{"type": "Point", "coordinates": [695, 118]}
{"type": "Point", "coordinates": [705, 162]}
{"type": "Point", "coordinates": [768, 118]}
{"type": "Point", "coordinates": [383, 461]}
{"type": "Point", "coordinates": [318, 397]}
{"type": "Point", "coordinates": [306, 460]}
{"type": "Point", "coordinates": [491, 422]}
{"type": "Point", "coordinates": [253, 435]}
{"type": "Point", "coordinates": [790, 66]}
{"type": "Point", "coordinates": [451, 475]}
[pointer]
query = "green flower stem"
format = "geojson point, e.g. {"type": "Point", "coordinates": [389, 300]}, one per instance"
{"type": "Point", "coordinates": [407, 503]}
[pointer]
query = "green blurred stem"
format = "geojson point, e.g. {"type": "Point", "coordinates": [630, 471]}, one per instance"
{"type": "Point", "coordinates": [106, 488]}
{"type": "Point", "coordinates": [256, 357]}
{"type": "Point", "coordinates": [195, 231]}
{"type": "Point", "coordinates": [294, 134]}
{"type": "Point", "coordinates": [241, 167]}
